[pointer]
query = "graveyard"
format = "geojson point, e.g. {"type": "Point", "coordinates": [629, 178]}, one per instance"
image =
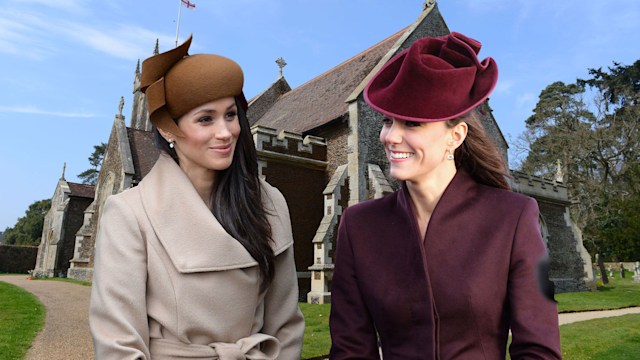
{"type": "Point", "coordinates": [601, 338]}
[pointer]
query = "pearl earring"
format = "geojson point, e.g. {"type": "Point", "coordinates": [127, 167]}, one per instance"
{"type": "Point", "coordinates": [171, 144]}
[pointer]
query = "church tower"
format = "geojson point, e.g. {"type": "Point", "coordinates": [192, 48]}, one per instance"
{"type": "Point", "coordinates": [139, 116]}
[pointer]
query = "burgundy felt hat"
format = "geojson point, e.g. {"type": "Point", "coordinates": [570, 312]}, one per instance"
{"type": "Point", "coordinates": [435, 79]}
{"type": "Point", "coordinates": [176, 83]}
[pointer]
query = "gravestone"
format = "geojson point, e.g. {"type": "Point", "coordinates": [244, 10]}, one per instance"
{"type": "Point", "coordinates": [603, 272]}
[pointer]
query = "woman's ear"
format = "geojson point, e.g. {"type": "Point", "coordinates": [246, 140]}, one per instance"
{"type": "Point", "coordinates": [167, 135]}
{"type": "Point", "coordinates": [459, 133]}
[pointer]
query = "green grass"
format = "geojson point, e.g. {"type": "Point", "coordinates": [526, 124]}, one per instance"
{"type": "Point", "coordinates": [21, 318]}
{"type": "Point", "coordinates": [618, 294]}
{"type": "Point", "coordinates": [602, 339]}
{"type": "Point", "coordinates": [609, 338]}
{"type": "Point", "coordinates": [316, 333]}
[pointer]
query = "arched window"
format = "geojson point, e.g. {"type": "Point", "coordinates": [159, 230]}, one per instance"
{"type": "Point", "coordinates": [544, 231]}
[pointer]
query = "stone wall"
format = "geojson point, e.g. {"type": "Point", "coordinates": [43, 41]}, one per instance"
{"type": "Point", "coordinates": [566, 268]}
{"type": "Point", "coordinates": [569, 261]}
{"type": "Point", "coordinates": [336, 134]}
{"type": "Point", "coordinates": [73, 221]}
{"type": "Point", "coordinates": [492, 130]}
{"type": "Point", "coordinates": [432, 25]}
{"type": "Point", "coordinates": [17, 259]}
{"type": "Point", "coordinates": [82, 262]}
{"type": "Point", "coordinates": [116, 175]}
{"type": "Point", "coordinates": [51, 229]}
{"type": "Point", "coordinates": [296, 165]}
{"type": "Point", "coordinates": [113, 163]}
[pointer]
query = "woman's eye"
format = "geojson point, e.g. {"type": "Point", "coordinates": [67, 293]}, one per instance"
{"type": "Point", "coordinates": [231, 115]}
{"type": "Point", "coordinates": [386, 121]}
{"type": "Point", "coordinates": [413, 124]}
{"type": "Point", "coordinates": [204, 119]}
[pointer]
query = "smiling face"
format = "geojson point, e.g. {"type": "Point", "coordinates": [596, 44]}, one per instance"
{"type": "Point", "coordinates": [210, 136]}
{"type": "Point", "coordinates": [417, 151]}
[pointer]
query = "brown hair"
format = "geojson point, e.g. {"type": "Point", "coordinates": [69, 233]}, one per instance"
{"type": "Point", "coordinates": [479, 155]}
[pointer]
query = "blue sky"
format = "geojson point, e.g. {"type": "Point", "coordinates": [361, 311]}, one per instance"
{"type": "Point", "coordinates": [64, 64]}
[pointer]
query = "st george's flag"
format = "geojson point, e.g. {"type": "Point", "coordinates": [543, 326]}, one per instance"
{"type": "Point", "coordinates": [188, 4]}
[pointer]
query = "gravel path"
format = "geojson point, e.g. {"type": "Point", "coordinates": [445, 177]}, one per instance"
{"type": "Point", "coordinates": [65, 335]}
{"type": "Point", "coordinates": [567, 318]}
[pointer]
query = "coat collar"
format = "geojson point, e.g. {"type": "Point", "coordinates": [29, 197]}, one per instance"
{"type": "Point", "coordinates": [192, 237]}
{"type": "Point", "coordinates": [452, 203]}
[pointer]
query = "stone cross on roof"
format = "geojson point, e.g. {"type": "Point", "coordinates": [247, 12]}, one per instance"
{"type": "Point", "coordinates": [281, 64]}
{"type": "Point", "coordinates": [559, 172]}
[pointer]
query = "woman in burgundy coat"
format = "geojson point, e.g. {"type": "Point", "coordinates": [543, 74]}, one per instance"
{"type": "Point", "coordinates": [446, 266]}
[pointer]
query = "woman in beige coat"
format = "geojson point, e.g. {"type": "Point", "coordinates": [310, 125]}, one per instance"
{"type": "Point", "coordinates": [196, 262]}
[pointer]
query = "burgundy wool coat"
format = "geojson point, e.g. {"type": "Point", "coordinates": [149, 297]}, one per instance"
{"type": "Point", "coordinates": [454, 295]}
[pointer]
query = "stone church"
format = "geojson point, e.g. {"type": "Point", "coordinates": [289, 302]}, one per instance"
{"type": "Point", "coordinates": [61, 223]}
{"type": "Point", "coordinates": [318, 144]}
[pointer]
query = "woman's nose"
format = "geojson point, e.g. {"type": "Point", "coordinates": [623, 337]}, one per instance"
{"type": "Point", "coordinates": [222, 130]}
{"type": "Point", "coordinates": [392, 134]}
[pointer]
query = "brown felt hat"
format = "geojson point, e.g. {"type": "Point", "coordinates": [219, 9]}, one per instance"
{"type": "Point", "coordinates": [176, 83]}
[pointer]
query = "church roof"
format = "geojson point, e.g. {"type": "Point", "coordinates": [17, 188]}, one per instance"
{"type": "Point", "coordinates": [322, 99]}
{"type": "Point", "coordinates": [82, 190]}
{"type": "Point", "coordinates": [143, 151]}
{"type": "Point", "coordinates": [262, 102]}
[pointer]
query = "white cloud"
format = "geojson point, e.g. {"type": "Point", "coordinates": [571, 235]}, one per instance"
{"type": "Point", "coordinates": [36, 36]}
{"type": "Point", "coordinates": [123, 41]}
{"type": "Point", "coordinates": [71, 6]}
{"type": "Point", "coordinates": [526, 101]}
{"type": "Point", "coordinates": [504, 86]}
{"type": "Point", "coordinates": [32, 110]}
{"type": "Point", "coordinates": [21, 34]}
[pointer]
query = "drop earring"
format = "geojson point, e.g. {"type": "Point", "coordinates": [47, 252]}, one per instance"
{"type": "Point", "coordinates": [449, 155]}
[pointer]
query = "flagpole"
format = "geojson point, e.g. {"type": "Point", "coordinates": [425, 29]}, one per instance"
{"type": "Point", "coordinates": [178, 24]}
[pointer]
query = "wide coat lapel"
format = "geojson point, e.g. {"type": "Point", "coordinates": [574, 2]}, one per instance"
{"type": "Point", "coordinates": [192, 237]}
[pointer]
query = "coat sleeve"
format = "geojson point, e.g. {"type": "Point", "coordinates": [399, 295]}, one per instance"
{"type": "Point", "coordinates": [282, 316]}
{"type": "Point", "coordinates": [117, 311]}
{"type": "Point", "coordinates": [353, 334]}
{"type": "Point", "coordinates": [534, 318]}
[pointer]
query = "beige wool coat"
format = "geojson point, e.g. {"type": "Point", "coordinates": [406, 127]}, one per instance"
{"type": "Point", "coordinates": [170, 283]}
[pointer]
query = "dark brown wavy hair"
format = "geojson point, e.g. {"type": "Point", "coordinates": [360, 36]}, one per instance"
{"type": "Point", "coordinates": [479, 155]}
{"type": "Point", "coordinates": [237, 199]}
